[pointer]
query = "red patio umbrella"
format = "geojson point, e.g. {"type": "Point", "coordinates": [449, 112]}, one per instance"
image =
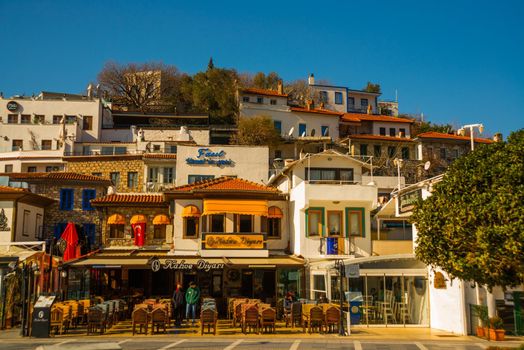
{"type": "Point", "coordinates": [71, 237]}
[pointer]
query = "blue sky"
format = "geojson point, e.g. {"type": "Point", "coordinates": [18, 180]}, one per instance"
{"type": "Point", "coordinates": [458, 62]}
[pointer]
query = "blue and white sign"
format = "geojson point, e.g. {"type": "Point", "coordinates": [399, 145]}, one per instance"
{"type": "Point", "coordinates": [208, 157]}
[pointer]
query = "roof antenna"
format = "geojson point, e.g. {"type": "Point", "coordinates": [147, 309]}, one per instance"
{"type": "Point", "coordinates": [396, 95]}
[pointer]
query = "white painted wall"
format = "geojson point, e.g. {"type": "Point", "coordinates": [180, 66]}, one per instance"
{"type": "Point", "coordinates": [29, 226]}
{"type": "Point", "coordinates": [389, 125]}
{"type": "Point", "coordinates": [7, 206]}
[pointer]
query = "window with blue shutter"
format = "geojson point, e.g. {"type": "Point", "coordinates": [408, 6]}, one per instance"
{"type": "Point", "coordinates": [302, 130]}
{"type": "Point", "coordinates": [90, 233]}
{"type": "Point", "coordinates": [278, 126]}
{"type": "Point", "coordinates": [87, 195]}
{"type": "Point", "coordinates": [59, 229]}
{"type": "Point", "coordinates": [66, 199]}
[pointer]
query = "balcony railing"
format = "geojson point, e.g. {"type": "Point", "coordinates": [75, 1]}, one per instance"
{"type": "Point", "coordinates": [158, 186]}
{"type": "Point", "coordinates": [336, 246]}
{"type": "Point", "coordinates": [114, 152]}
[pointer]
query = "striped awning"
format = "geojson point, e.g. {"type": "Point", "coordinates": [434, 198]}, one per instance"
{"type": "Point", "coordinates": [246, 207]}
{"type": "Point", "coordinates": [191, 211]}
{"type": "Point", "coordinates": [274, 212]}
{"type": "Point", "coordinates": [138, 219]}
{"type": "Point", "coordinates": [116, 219]}
{"type": "Point", "coordinates": [161, 219]}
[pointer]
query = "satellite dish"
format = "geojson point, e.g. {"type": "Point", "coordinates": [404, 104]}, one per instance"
{"type": "Point", "coordinates": [427, 165]}
{"type": "Point", "coordinates": [312, 132]}
{"type": "Point", "coordinates": [290, 133]}
{"type": "Point", "coordinates": [303, 134]}
{"type": "Point", "coordinates": [271, 178]}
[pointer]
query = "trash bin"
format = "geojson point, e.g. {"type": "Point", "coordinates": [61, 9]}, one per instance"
{"type": "Point", "coordinates": [41, 325]}
{"type": "Point", "coordinates": [355, 312]}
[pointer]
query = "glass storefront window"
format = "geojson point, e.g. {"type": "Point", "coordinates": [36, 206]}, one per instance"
{"type": "Point", "coordinates": [288, 280]}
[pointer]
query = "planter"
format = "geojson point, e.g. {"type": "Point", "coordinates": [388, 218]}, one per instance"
{"type": "Point", "coordinates": [496, 334]}
{"type": "Point", "coordinates": [480, 332]}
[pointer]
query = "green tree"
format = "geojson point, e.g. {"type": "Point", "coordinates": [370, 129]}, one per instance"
{"type": "Point", "coordinates": [473, 225]}
{"type": "Point", "coordinates": [420, 127]}
{"type": "Point", "coordinates": [263, 81]}
{"type": "Point", "coordinates": [258, 130]}
{"type": "Point", "coordinates": [370, 87]}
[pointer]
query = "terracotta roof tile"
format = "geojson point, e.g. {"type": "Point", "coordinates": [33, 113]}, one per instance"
{"type": "Point", "coordinates": [315, 110]}
{"type": "Point", "coordinates": [355, 117]}
{"type": "Point", "coordinates": [380, 137]}
{"type": "Point", "coordinates": [265, 92]}
{"type": "Point", "coordinates": [130, 198]}
{"type": "Point", "coordinates": [225, 184]}
{"type": "Point", "coordinates": [58, 176]}
{"type": "Point", "coordinates": [440, 135]}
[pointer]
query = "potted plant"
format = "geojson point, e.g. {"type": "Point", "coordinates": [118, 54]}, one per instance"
{"type": "Point", "coordinates": [481, 311]}
{"type": "Point", "coordinates": [496, 329]}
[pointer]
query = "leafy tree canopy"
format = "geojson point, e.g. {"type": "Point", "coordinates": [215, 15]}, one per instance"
{"type": "Point", "coordinates": [421, 127]}
{"type": "Point", "coordinates": [370, 87]}
{"type": "Point", "coordinates": [473, 225]}
{"type": "Point", "coordinates": [258, 130]}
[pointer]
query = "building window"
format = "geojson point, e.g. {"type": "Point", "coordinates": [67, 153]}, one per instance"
{"type": "Point", "coordinates": [38, 226]}
{"type": "Point", "coordinates": [116, 231]}
{"type": "Point", "coordinates": [115, 178]}
{"type": "Point", "coordinates": [454, 153]}
{"type": "Point", "coordinates": [243, 223]}
{"type": "Point", "coordinates": [8, 168]}
{"type": "Point", "coordinates": [51, 168]}
{"type": "Point", "coordinates": [216, 223]}
{"type": "Point", "coordinates": [391, 151]}
{"type": "Point", "coordinates": [363, 149]}
{"type": "Point", "coordinates": [47, 145]}
{"type": "Point", "coordinates": [319, 287]}
{"type": "Point", "coordinates": [59, 229]}
{"type": "Point", "coordinates": [31, 169]}
{"type": "Point", "coordinates": [315, 222]}
{"type": "Point", "coordinates": [377, 150]}
{"type": "Point", "coordinates": [132, 180]}
{"type": "Point", "coordinates": [191, 227]}
{"type": "Point", "coordinates": [156, 148]}
{"type": "Point", "coordinates": [273, 101]}
{"type": "Point", "coordinates": [152, 175]}
{"type": "Point", "coordinates": [278, 154]}
{"type": "Point", "coordinates": [260, 100]}
{"type": "Point", "coordinates": [382, 131]}
{"type": "Point", "coordinates": [66, 199]}
{"type": "Point", "coordinates": [70, 119]}
{"type": "Point", "coordinates": [39, 119]}
{"type": "Point", "coordinates": [25, 119]}
{"type": "Point", "coordinates": [278, 126]}
{"type": "Point", "coordinates": [168, 175]}
{"type": "Point", "coordinates": [172, 149]}
{"type": "Point", "coordinates": [57, 119]}
{"type": "Point", "coordinates": [110, 150]}
{"type": "Point", "coordinates": [302, 130]}
{"type": "Point", "coordinates": [355, 221]}
{"type": "Point", "coordinates": [12, 119]}
{"type": "Point", "coordinates": [329, 174]}
{"type": "Point", "coordinates": [323, 96]}
{"type": "Point", "coordinates": [97, 174]}
{"type": "Point", "coordinates": [25, 223]}
{"type": "Point", "coordinates": [405, 153]}
{"type": "Point", "coordinates": [159, 232]}
{"type": "Point", "coordinates": [334, 223]}
{"type": "Point", "coordinates": [87, 123]}
{"type": "Point", "coordinates": [90, 233]}
{"type": "Point", "coordinates": [245, 99]}
{"type": "Point", "coordinates": [87, 195]}
{"type": "Point", "coordinates": [338, 98]}
{"type": "Point", "coordinates": [402, 132]}
{"type": "Point", "coordinates": [18, 145]}
{"type": "Point", "coordinates": [442, 153]}
{"type": "Point", "coordinates": [197, 178]}
{"type": "Point", "coordinates": [351, 102]}
{"type": "Point", "coordinates": [364, 102]}
{"type": "Point", "coordinates": [271, 226]}
{"type": "Point", "coordinates": [392, 132]}
{"type": "Point", "coordinates": [325, 130]}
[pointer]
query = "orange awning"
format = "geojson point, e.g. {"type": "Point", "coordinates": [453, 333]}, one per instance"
{"type": "Point", "coordinates": [246, 207]}
{"type": "Point", "coordinates": [138, 219]}
{"type": "Point", "coordinates": [191, 211]}
{"type": "Point", "coordinates": [116, 219]}
{"type": "Point", "coordinates": [274, 212]}
{"type": "Point", "coordinates": [161, 220]}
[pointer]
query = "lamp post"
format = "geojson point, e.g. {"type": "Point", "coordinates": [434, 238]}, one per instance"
{"type": "Point", "coordinates": [339, 265]}
{"type": "Point", "coordinates": [398, 162]}
{"type": "Point", "coordinates": [471, 127]}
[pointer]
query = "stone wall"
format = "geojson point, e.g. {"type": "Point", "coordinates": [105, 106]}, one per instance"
{"type": "Point", "coordinates": [107, 165]}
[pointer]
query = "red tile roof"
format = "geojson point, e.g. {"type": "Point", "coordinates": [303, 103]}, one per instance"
{"type": "Point", "coordinates": [356, 117]}
{"type": "Point", "coordinates": [315, 110]}
{"type": "Point", "coordinates": [56, 176]}
{"type": "Point", "coordinates": [440, 135]}
{"type": "Point", "coordinates": [130, 198]}
{"type": "Point", "coordinates": [380, 137]}
{"type": "Point", "coordinates": [225, 184]}
{"type": "Point", "coordinates": [265, 92]}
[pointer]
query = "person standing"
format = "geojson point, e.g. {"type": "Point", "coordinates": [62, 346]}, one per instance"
{"type": "Point", "coordinates": [192, 298]}
{"type": "Point", "coordinates": [178, 304]}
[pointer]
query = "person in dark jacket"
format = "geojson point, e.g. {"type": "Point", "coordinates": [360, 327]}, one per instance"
{"type": "Point", "coordinates": [192, 298]}
{"type": "Point", "coordinates": [178, 304]}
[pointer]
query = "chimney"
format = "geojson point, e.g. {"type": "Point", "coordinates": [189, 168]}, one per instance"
{"type": "Point", "coordinates": [309, 104]}
{"type": "Point", "coordinates": [280, 87]}
{"type": "Point", "coordinates": [311, 79]}
{"type": "Point", "coordinates": [90, 91]}
{"type": "Point", "coordinates": [497, 137]}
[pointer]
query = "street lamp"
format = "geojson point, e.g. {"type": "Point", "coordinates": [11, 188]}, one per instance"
{"type": "Point", "coordinates": [398, 162]}
{"type": "Point", "coordinates": [471, 127]}
{"type": "Point", "coordinates": [339, 265]}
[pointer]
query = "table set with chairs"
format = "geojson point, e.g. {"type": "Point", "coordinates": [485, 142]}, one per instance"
{"type": "Point", "coordinates": [252, 315]}
{"type": "Point", "coordinates": [323, 317]}
{"type": "Point", "coordinates": [154, 312]}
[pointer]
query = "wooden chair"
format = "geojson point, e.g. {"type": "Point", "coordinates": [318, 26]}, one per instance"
{"type": "Point", "coordinates": [237, 316]}
{"type": "Point", "coordinates": [332, 318]}
{"type": "Point", "coordinates": [159, 318]}
{"type": "Point", "coordinates": [96, 320]}
{"type": "Point", "coordinates": [267, 320]}
{"type": "Point", "coordinates": [295, 315]}
{"type": "Point", "coordinates": [140, 317]}
{"type": "Point", "coordinates": [314, 320]}
{"type": "Point", "coordinates": [209, 318]}
{"type": "Point", "coordinates": [250, 319]}
{"type": "Point", "coordinates": [57, 320]}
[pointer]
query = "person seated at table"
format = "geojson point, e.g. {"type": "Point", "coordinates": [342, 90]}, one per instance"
{"type": "Point", "coordinates": [289, 299]}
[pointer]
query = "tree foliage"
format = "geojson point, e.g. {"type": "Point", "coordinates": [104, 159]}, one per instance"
{"type": "Point", "coordinates": [421, 127]}
{"type": "Point", "coordinates": [370, 87]}
{"type": "Point", "coordinates": [258, 130]}
{"type": "Point", "coordinates": [473, 225]}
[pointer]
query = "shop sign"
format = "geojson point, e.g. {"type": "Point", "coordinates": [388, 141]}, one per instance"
{"type": "Point", "coordinates": [173, 264]}
{"type": "Point", "coordinates": [12, 106]}
{"type": "Point", "coordinates": [233, 241]}
{"type": "Point", "coordinates": [407, 201]}
{"type": "Point", "coordinates": [207, 157]}
{"type": "Point", "coordinates": [352, 271]}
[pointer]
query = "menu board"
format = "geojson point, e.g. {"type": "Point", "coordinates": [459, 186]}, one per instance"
{"type": "Point", "coordinates": [45, 301]}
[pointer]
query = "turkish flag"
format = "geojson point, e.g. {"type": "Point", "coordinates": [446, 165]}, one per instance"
{"type": "Point", "coordinates": [71, 237]}
{"type": "Point", "coordinates": [140, 234]}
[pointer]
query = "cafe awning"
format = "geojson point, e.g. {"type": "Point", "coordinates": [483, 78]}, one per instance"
{"type": "Point", "coordinates": [138, 219]}
{"type": "Point", "coordinates": [246, 207]}
{"type": "Point", "coordinates": [116, 219]}
{"type": "Point", "coordinates": [190, 211]}
{"type": "Point", "coordinates": [161, 220]}
{"type": "Point", "coordinates": [275, 212]}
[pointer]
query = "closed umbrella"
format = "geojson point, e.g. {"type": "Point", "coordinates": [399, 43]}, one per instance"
{"type": "Point", "coordinates": [71, 238]}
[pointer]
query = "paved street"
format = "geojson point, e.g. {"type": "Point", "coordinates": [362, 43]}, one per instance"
{"type": "Point", "coordinates": [239, 344]}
